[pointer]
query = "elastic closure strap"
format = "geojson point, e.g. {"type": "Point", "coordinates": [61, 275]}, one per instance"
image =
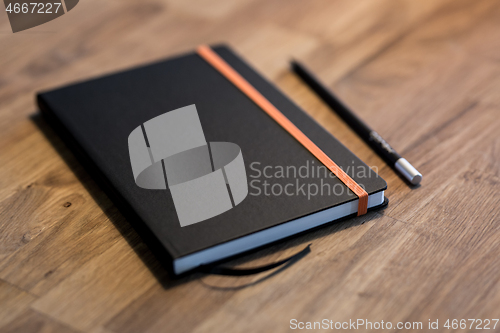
{"type": "Point", "coordinates": [226, 70]}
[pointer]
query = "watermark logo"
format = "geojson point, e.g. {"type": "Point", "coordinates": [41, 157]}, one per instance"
{"type": "Point", "coordinates": [204, 179]}
{"type": "Point", "coordinates": [26, 15]}
{"type": "Point", "coordinates": [308, 180]}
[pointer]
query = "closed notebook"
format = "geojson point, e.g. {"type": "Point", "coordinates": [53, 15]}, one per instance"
{"type": "Point", "coordinates": [199, 169]}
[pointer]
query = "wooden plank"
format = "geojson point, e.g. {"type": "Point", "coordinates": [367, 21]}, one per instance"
{"type": "Point", "coordinates": [34, 322]}
{"type": "Point", "coordinates": [315, 281]}
{"type": "Point", "coordinates": [216, 9]}
{"type": "Point", "coordinates": [51, 210]}
{"type": "Point", "coordinates": [99, 289]}
{"type": "Point", "coordinates": [350, 32]}
{"type": "Point", "coordinates": [13, 301]}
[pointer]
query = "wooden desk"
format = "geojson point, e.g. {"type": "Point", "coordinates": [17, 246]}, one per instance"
{"type": "Point", "coordinates": [425, 74]}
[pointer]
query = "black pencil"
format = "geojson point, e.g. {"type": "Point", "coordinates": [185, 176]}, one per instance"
{"type": "Point", "coordinates": [372, 138]}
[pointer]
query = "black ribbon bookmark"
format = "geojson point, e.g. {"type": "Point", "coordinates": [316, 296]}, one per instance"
{"type": "Point", "coordinates": [218, 270]}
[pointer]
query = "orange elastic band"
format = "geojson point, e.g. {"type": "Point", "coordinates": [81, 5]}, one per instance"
{"type": "Point", "coordinates": [225, 69]}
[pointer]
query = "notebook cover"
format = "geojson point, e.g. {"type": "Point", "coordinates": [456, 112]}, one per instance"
{"type": "Point", "coordinates": [97, 116]}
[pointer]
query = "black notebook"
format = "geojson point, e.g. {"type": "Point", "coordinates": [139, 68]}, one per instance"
{"type": "Point", "coordinates": [196, 166]}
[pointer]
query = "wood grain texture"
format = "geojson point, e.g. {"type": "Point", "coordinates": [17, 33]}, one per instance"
{"type": "Point", "coordinates": [424, 74]}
